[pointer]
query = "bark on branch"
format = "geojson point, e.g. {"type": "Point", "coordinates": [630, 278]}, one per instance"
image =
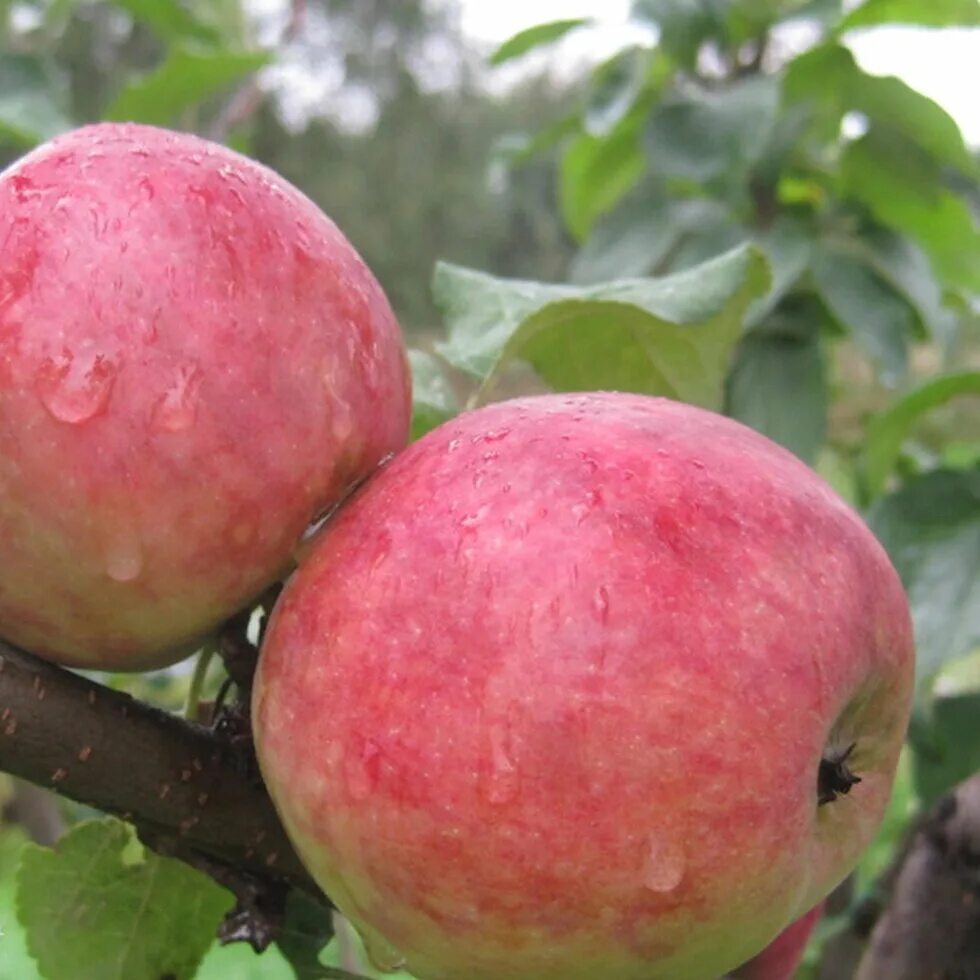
{"type": "Point", "coordinates": [190, 791]}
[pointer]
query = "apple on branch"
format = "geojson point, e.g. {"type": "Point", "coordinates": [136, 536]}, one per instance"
{"type": "Point", "coordinates": [585, 686]}
{"type": "Point", "coordinates": [194, 364]}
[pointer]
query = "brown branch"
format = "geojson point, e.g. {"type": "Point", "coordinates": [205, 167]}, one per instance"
{"type": "Point", "coordinates": [931, 924]}
{"type": "Point", "coordinates": [190, 791]}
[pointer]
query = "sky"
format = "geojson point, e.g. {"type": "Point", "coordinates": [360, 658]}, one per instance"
{"type": "Point", "coordinates": [942, 64]}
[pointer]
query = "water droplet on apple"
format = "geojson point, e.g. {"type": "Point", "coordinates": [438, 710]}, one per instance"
{"type": "Point", "coordinates": [663, 866]}
{"type": "Point", "coordinates": [177, 408]}
{"type": "Point", "coordinates": [600, 604]}
{"type": "Point", "coordinates": [504, 778]}
{"type": "Point", "coordinates": [75, 387]}
{"type": "Point", "coordinates": [381, 953]}
{"type": "Point", "coordinates": [124, 555]}
{"type": "Point", "coordinates": [454, 444]}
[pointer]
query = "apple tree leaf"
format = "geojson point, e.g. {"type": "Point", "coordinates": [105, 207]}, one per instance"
{"type": "Point", "coordinates": [931, 529]}
{"type": "Point", "coordinates": [171, 19]}
{"type": "Point", "coordinates": [928, 13]}
{"type": "Point", "coordinates": [15, 960]}
{"type": "Point", "coordinates": [888, 430]}
{"type": "Point", "coordinates": [186, 77]}
{"type": "Point", "coordinates": [672, 336]}
{"type": "Point", "coordinates": [597, 171]}
{"type": "Point", "coordinates": [99, 907]}
{"type": "Point", "coordinates": [306, 931]}
{"type": "Point", "coordinates": [31, 101]}
{"type": "Point", "coordinates": [433, 398]}
{"type": "Point", "coordinates": [778, 386]}
{"type": "Point", "coordinates": [866, 306]}
{"type": "Point", "coordinates": [535, 37]}
{"type": "Point", "coordinates": [947, 746]}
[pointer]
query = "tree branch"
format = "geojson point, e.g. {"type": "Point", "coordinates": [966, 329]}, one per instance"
{"type": "Point", "coordinates": [191, 792]}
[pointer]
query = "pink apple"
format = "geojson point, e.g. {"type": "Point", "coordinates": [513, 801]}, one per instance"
{"type": "Point", "coordinates": [557, 695]}
{"type": "Point", "coordinates": [194, 363]}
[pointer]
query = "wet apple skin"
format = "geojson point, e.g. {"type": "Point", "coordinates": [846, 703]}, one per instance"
{"type": "Point", "coordinates": [194, 363]}
{"type": "Point", "coordinates": [547, 698]}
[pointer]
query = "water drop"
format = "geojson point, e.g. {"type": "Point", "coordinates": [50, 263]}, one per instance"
{"type": "Point", "coordinates": [494, 435]}
{"type": "Point", "coordinates": [177, 409]}
{"type": "Point", "coordinates": [124, 555]}
{"type": "Point", "coordinates": [454, 444]}
{"type": "Point", "coordinates": [663, 867]}
{"type": "Point", "coordinates": [76, 387]}
{"type": "Point", "coordinates": [600, 604]}
{"type": "Point", "coordinates": [381, 953]}
{"type": "Point", "coordinates": [504, 778]}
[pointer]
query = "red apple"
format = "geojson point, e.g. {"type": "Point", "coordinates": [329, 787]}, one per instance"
{"type": "Point", "coordinates": [581, 687]}
{"type": "Point", "coordinates": [194, 363]}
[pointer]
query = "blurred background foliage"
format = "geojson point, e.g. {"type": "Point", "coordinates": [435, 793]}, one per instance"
{"type": "Point", "coordinates": [799, 241]}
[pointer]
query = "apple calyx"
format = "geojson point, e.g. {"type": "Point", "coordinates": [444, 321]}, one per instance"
{"type": "Point", "coordinates": [834, 777]}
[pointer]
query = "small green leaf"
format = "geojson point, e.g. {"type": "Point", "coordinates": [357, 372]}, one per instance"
{"type": "Point", "coordinates": [684, 24]}
{"type": "Point", "coordinates": [186, 78]}
{"type": "Point", "coordinates": [31, 102]}
{"type": "Point", "coordinates": [928, 13]}
{"type": "Point", "coordinates": [672, 336]}
{"type": "Point", "coordinates": [307, 930]}
{"type": "Point", "coordinates": [93, 913]}
{"type": "Point", "coordinates": [947, 746]}
{"type": "Point", "coordinates": [596, 171]}
{"type": "Point", "coordinates": [888, 430]}
{"type": "Point", "coordinates": [535, 37]}
{"type": "Point", "coordinates": [433, 398]}
{"type": "Point", "coordinates": [903, 189]}
{"type": "Point", "coordinates": [614, 89]}
{"type": "Point", "coordinates": [171, 19]}
{"type": "Point", "coordinates": [787, 246]}
{"type": "Point", "coordinates": [865, 305]}
{"type": "Point", "coordinates": [905, 267]}
{"type": "Point", "coordinates": [707, 134]}
{"type": "Point", "coordinates": [931, 529]}
{"type": "Point", "coordinates": [778, 386]}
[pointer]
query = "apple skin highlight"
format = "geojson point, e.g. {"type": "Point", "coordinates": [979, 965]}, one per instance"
{"type": "Point", "coordinates": [194, 363]}
{"type": "Point", "coordinates": [548, 697]}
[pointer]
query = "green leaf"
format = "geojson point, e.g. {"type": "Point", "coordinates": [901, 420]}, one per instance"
{"type": "Point", "coordinates": [186, 78]}
{"type": "Point", "coordinates": [535, 37]}
{"type": "Point", "coordinates": [238, 961]}
{"type": "Point", "coordinates": [15, 961]}
{"type": "Point", "coordinates": [905, 267]}
{"type": "Point", "coordinates": [931, 529]}
{"type": "Point", "coordinates": [947, 746]}
{"type": "Point", "coordinates": [95, 910]}
{"type": "Point", "coordinates": [929, 13]}
{"type": "Point", "coordinates": [903, 189]}
{"type": "Point", "coordinates": [672, 336]}
{"type": "Point", "coordinates": [865, 305]}
{"type": "Point", "coordinates": [171, 19]}
{"type": "Point", "coordinates": [433, 399]}
{"type": "Point", "coordinates": [830, 77]}
{"type": "Point", "coordinates": [596, 171]}
{"type": "Point", "coordinates": [614, 88]}
{"type": "Point", "coordinates": [31, 103]}
{"type": "Point", "coordinates": [888, 430]}
{"type": "Point", "coordinates": [684, 24]}
{"type": "Point", "coordinates": [710, 133]}
{"type": "Point", "coordinates": [778, 386]}
{"type": "Point", "coordinates": [307, 930]}
{"type": "Point", "coordinates": [787, 246]}
{"type": "Point", "coordinates": [640, 233]}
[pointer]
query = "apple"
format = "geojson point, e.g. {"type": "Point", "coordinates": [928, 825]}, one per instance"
{"type": "Point", "coordinates": [578, 687]}
{"type": "Point", "coordinates": [194, 364]}
{"type": "Point", "coordinates": [781, 958]}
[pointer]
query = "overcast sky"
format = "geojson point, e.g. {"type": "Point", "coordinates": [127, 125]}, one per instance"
{"type": "Point", "coordinates": [942, 64]}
